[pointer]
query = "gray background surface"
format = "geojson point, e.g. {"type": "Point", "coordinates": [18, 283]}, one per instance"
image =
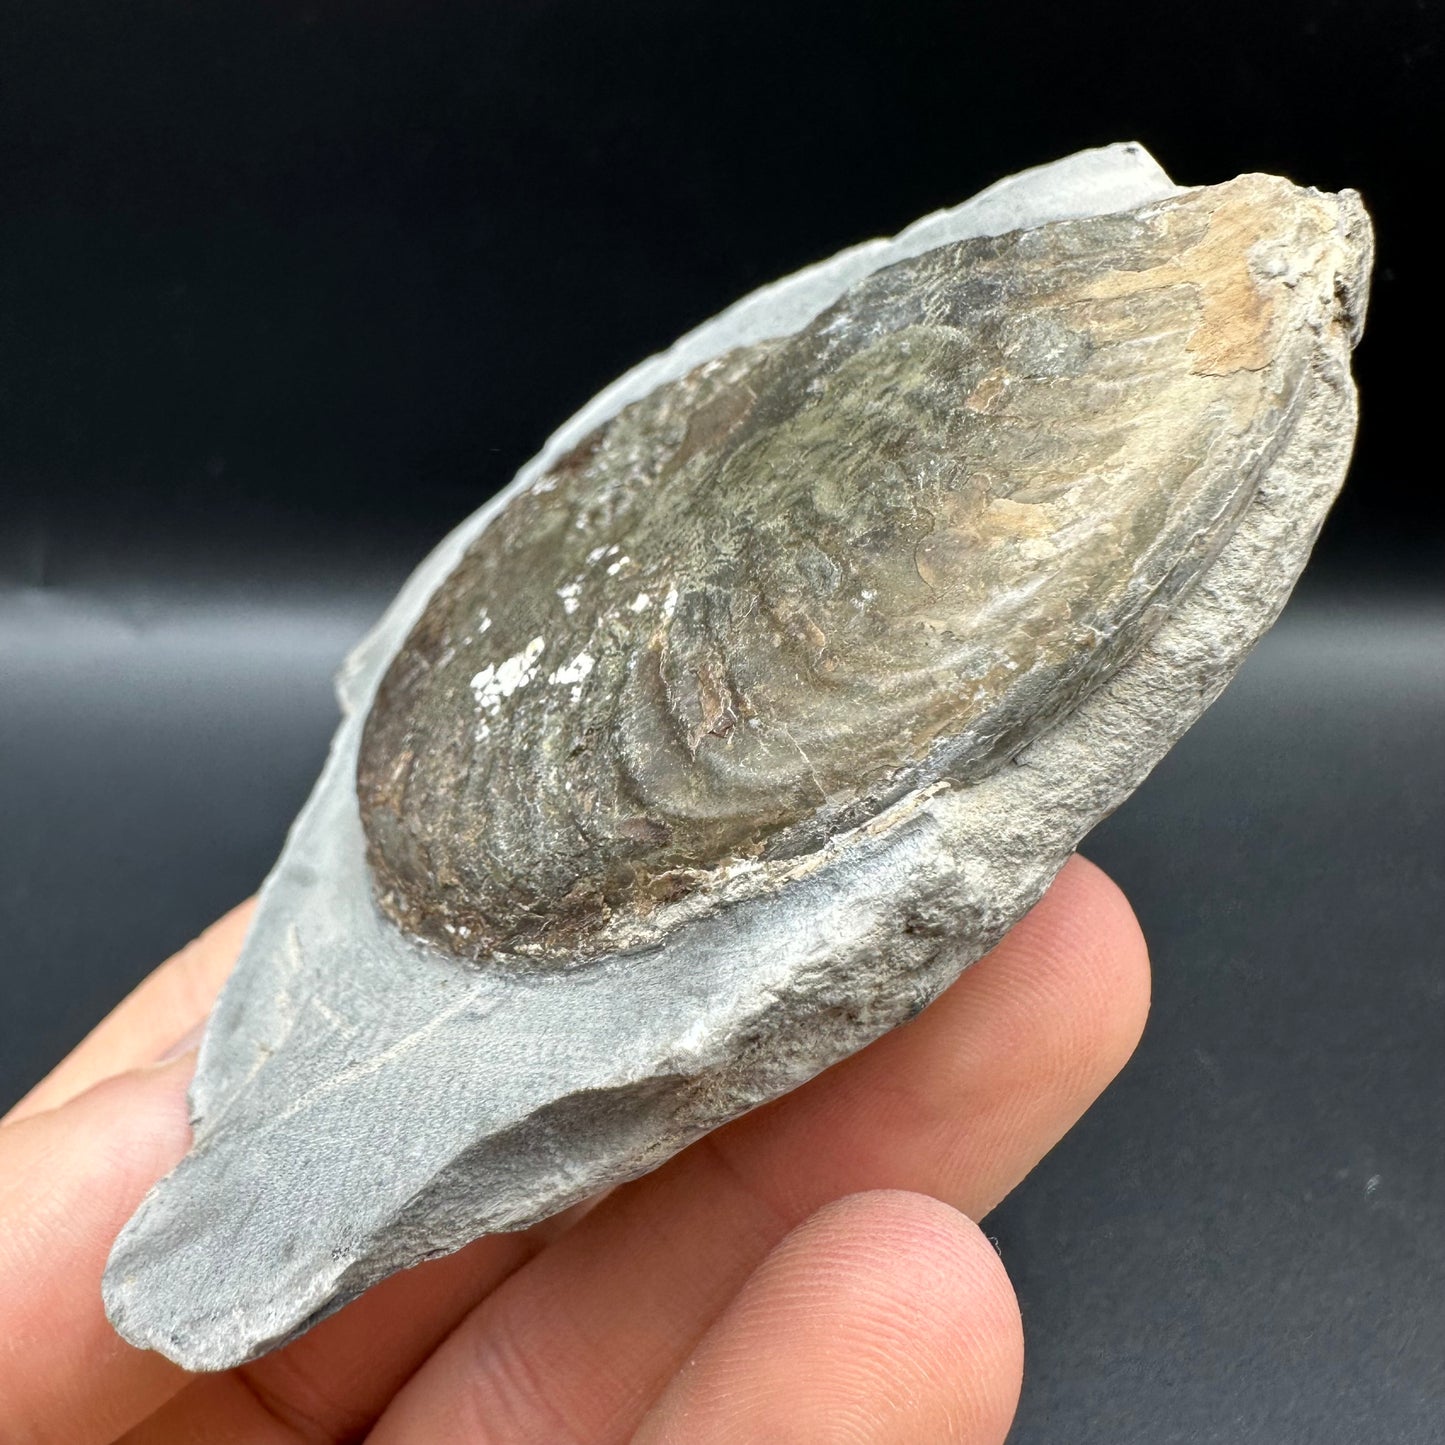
{"type": "Point", "coordinates": [284, 292]}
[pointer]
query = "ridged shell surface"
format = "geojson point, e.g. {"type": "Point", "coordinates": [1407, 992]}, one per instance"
{"type": "Point", "coordinates": [772, 598]}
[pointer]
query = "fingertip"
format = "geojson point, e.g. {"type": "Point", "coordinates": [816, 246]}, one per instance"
{"type": "Point", "coordinates": [121, 1133]}
{"type": "Point", "coordinates": [884, 1317]}
{"type": "Point", "coordinates": [1095, 926]}
{"type": "Point", "coordinates": [148, 1106]}
{"type": "Point", "coordinates": [915, 1265]}
{"type": "Point", "coordinates": [195, 974]}
{"type": "Point", "coordinates": [1071, 982]}
{"type": "Point", "coordinates": [69, 1179]}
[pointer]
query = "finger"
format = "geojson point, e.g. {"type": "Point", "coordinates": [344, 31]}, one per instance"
{"type": "Point", "coordinates": [336, 1380]}
{"type": "Point", "coordinates": [967, 1098]}
{"type": "Point", "coordinates": [884, 1319]}
{"type": "Point", "coordinates": [332, 1383]}
{"type": "Point", "coordinates": [958, 1104]}
{"type": "Point", "coordinates": [156, 1016]}
{"type": "Point", "coordinates": [69, 1179]}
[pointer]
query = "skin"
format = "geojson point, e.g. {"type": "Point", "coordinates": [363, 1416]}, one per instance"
{"type": "Point", "coordinates": [810, 1273]}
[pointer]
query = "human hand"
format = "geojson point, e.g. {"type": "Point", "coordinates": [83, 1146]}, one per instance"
{"type": "Point", "coordinates": [808, 1273]}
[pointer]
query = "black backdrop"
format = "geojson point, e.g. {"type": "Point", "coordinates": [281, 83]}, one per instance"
{"type": "Point", "coordinates": [287, 289]}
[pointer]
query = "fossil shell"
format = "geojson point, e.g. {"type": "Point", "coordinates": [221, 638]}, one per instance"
{"type": "Point", "coordinates": [819, 572]}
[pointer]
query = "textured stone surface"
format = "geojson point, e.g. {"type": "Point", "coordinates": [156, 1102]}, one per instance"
{"type": "Point", "coordinates": [364, 1101]}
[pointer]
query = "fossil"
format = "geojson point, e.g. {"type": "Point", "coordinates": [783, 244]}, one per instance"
{"type": "Point", "coordinates": [760, 705]}
{"type": "Point", "coordinates": [821, 571]}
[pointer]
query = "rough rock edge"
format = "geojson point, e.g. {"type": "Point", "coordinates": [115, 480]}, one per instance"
{"type": "Point", "coordinates": [970, 862]}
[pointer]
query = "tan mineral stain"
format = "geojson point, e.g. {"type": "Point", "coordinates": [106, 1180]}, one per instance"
{"type": "Point", "coordinates": [1236, 327]}
{"type": "Point", "coordinates": [1234, 292]}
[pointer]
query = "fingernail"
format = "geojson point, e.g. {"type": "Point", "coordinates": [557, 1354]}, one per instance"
{"type": "Point", "coordinates": [187, 1041]}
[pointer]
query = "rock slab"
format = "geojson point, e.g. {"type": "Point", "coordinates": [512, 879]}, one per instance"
{"type": "Point", "coordinates": [369, 1096]}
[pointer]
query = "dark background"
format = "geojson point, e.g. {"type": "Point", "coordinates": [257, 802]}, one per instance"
{"type": "Point", "coordinates": [288, 289]}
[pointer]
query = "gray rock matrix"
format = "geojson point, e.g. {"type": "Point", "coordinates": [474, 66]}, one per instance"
{"type": "Point", "coordinates": [366, 1100]}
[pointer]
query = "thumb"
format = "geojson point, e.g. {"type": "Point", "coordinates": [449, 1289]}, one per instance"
{"type": "Point", "coordinates": [69, 1179]}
